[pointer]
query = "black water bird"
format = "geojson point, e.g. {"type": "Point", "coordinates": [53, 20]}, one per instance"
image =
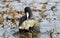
{"type": "Point", "coordinates": [28, 15]}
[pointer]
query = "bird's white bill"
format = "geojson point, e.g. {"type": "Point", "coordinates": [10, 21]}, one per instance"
{"type": "Point", "coordinates": [27, 15]}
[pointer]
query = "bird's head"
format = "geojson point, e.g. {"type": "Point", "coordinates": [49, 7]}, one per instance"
{"type": "Point", "coordinates": [28, 12]}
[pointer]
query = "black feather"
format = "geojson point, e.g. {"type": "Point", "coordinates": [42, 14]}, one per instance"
{"type": "Point", "coordinates": [23, 18]}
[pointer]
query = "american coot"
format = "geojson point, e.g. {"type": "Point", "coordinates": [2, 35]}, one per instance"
{"type": "Point", "coordinates": [25, 21]}
{"type": "Point", "coordinates": [28, 15]}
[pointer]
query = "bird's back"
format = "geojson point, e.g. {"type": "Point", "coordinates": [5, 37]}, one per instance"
{"type": "Point", "coordinates": [28, 23]}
